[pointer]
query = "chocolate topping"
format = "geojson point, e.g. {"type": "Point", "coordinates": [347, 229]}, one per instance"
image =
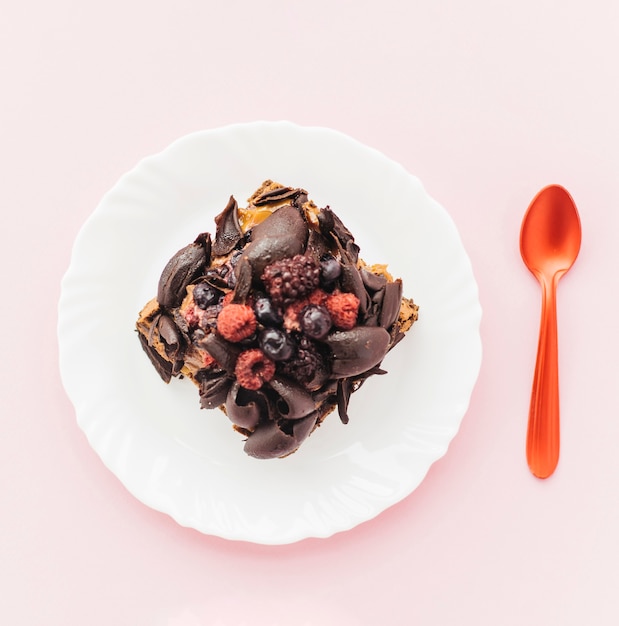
{"type": "Point", "coordinates": [358, 350]}
{"type": "Point", "coordinates": [181, 270]}
{"type": "Point", "coordinates": [391, 304]}
{"type": "Point", "coordinates": [224, 352]}
{"type": "Point", "coordinates": [313, 273]}
{"type": "Point", "coordinates": [213, 387]}
{"type": "Point", "coordinates": [228, 232]}
{"type": "Point", "coordinates": [283, 234]}
{"type": "Point", "coordinates": [245, 407]}
{"type": "Point", "coordinates": [269, 441]}
{"type": "Point", "coordinates": [279, 194]}
{"type": "Point", "coordinates": [161, 365]}
{"type": "Point", "coordinates": [293, 402]}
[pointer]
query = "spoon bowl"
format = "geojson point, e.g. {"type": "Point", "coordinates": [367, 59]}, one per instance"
{"type": "Point", "coordinates": [550, 240]}
{"type": "Point", "coordinates": [551, 234]}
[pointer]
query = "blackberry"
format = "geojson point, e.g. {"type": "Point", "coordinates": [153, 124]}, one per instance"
{"type": "Point", "coordinates": [307, 364]}
{"type": "Point", "coordinates": [291, 279]}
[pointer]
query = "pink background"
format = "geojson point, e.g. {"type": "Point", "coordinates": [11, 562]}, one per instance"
{"type": "Point", "coordinates": [486, 102]}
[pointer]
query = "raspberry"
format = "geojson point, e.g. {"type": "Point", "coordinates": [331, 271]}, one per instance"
{"type": "Point", "coordinates": [192, 317]}
{"type": "Point", "coordinates": [306, 363]}
{"type": "Point", "coordinates": [343, 308]}
{"type": "Point", "coordinates": [253, 369]}
{"type": "Point", "coordinates": [291, 279]}
{"type": "Point", "coordinates": [292, 313]}
{"type": "Point", "coordinates": [236, 322]}
{"type": "Point", "coordinates": [318, 297]}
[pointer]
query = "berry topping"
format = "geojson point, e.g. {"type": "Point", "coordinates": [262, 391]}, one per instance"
{"type": "Point", "coordinates": [343, 308]}
{"type": "Point", "coordinates": [292, 314]}
{"type": "Point", "coordinates": [315, 321]}
{"type": "Point", "coordinates": [236, 322]}
{"type": "Point", "coordinates": [266, 313]}
{"type": "Point", "coordinates": [291, 278]}
{"type": "Point", "coordinates": [204, 295]}
{"type": "Point", "coordinates": [330, 269]}
{"type": "Point", "coordinates": [318, 297]}
{"type": "Point", "coordinates": [276, 344]}
{"type": "Point", "coordinates": [306, 363]}
{"type": "Point", "coordinates": [253, 368]}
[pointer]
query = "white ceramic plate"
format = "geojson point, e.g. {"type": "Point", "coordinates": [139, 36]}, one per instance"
{"type": "Point", "coordinates": [188, 462]}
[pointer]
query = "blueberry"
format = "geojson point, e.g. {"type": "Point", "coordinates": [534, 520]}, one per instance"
{"type": "Point", "coordinates": [330, 269]}
{"type": "Point", "coordinates": [276, 344]}
{"type": "Point", "coordinates": [315, 321]}
{"type": "Point", "coordinates": [204, 295]}
{"type": "Point", "coordinates": [266, 313]}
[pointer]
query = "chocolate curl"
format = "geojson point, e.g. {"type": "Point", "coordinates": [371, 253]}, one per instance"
{"type": "Point", "coordinates": [228, 232]}
{"type": "Point", "coordinates": [269, 441]}
{"type": "Point", "coordinates": [245, 408]}
{"type": "Point", "coordinates": [213, 389]}
{"type": "Point", "coordinates": [161, 365]}
{"type": "Point", "coordinates": [293, 402]}
{"type": "Point", "coordinates": [392, 301]}
{"type": "Point", "coordinates": [181, 270]}
{"type": "Point", "coordinates": [357, 350]}
{"type": "Point", "coordinates": [173, 342]}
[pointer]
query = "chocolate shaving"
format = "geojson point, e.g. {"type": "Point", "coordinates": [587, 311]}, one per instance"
{"type": "Point", "coordinates": [228, 232]}
{"type": "Point", "coordinates": [213, 387]}
{"type": "Point", "coordinates": [351, 281]}
{"type": "Point", "coordinates": [331, 225]}
{"type": "Point", "coordinates": [181, 270]}
{"type": "Point", "coordinates": [358, 350]}
{"type": "Point", "coordinates": [293, 402]}
{"type": "Point", "coordinates": [224, 352]}
{"type": "Point", "coordinates": [391, 304]}
{"type": "Point", "coordinates": [344, 390]}
{"type": "Point", "coordinates": [244, 408]}
{"type": "Point", "coordinates": [280, 194]}
{"type": "Point", "coordinates": [373, 282]}
{"type": "Point", "coordinates": [162, 366]}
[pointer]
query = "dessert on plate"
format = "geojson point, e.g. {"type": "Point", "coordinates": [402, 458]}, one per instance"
{"type": "Point", "coordinates": [276, 318]}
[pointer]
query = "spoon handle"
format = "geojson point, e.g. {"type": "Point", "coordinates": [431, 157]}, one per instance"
{"type": "Point", "coordinates": [543, 428]}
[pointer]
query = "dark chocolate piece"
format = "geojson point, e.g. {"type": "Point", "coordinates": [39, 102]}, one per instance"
{"type": "Point", "coordinates": [244, 408]}
{"type": "Point", "coordinates": [293, 402]}
{"type": "Point", "coordinates": [224, 352]}
{"type": "Point", "coordinates": [269, 441]}
{"type": "Point", "coordinates": [280, 194]}
{"type": "Point", "coordinates": [213, 388]}
{"type": "Point", "coordinates": [391, 304]}
{"type": "Point", "coordinates": [344, 390]}
{"type": "Point", "coordinates": [228, 232]}
{"type": "Point", "coordinates": [281, 235]}
{"type": "Point", "coordinates": [358, 350]}
{"type": "Point", "coordinates": [373, 282]}
{"type": "Point", "coordinates": [161, 365]}
{"type": "Point", "coordinates": [181, 270]}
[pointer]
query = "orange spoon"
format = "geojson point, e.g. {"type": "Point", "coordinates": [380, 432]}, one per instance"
{"type": "Point", "coordinates": [549, 244]}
